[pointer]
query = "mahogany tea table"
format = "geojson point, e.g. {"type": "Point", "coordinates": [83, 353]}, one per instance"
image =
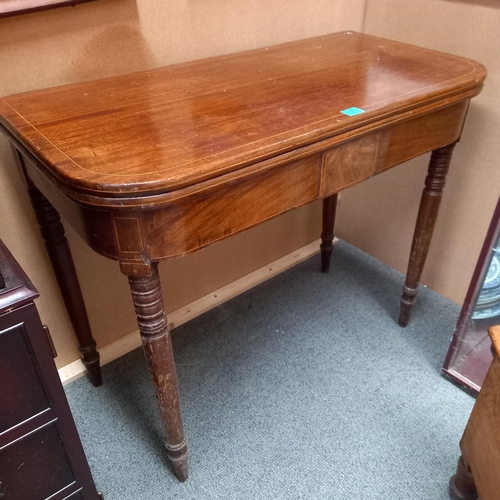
{"type": "Point", "coordinates": [161, 163]}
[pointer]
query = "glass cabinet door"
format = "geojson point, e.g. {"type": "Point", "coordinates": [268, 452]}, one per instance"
{"type": "Point", "coordinates": [469, 355]}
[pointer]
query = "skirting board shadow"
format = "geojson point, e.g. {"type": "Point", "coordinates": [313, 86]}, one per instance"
{"type": "Point", "coordinates": [110, 352]}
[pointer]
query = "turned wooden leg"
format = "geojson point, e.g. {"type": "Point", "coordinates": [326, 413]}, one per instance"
{"type": "Point", "coordinates": [60, 255]}
{"type": "Point", "coordinates": [148, 302]}
{"type": "Point", "coordinates": [462, 484]}
{"type": "Point", "coordinates": [427, 215]}
{"type": "Point", "coordinates": [329, 210]}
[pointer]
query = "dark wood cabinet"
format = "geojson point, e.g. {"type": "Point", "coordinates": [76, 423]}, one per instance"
{"type": "Point", "coordinates": [41, 455]}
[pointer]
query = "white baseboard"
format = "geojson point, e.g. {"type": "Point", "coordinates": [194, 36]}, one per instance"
{"type": "Point", "coordinates": [122, 346]}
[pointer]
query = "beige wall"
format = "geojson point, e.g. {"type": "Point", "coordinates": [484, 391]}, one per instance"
{"type": "Point", "coordinates": [378, 216]}
{"type": "Point", "coordinates": [117, 36]}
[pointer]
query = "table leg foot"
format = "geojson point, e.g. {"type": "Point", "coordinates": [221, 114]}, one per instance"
{"type": "Point", "coordinates": [59, 252]}
{"type": "Point", "coordinates": [462, 485]}
{"type": "Point", "coordinates": [91, 359]}
{"type": "Point", "coordinates": [407, 300]}
{"type": "Point", "coordinates": [179, 459]}
{"type": "Point", "coordinates": [329, 210]}
{"type": "Point", "coordinates": [427, 215]}
{"type": "Point", "coordinates": [152, 321]}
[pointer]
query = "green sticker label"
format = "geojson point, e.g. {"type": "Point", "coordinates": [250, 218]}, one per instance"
{"type": "Point", "coordinates": [352, 111]}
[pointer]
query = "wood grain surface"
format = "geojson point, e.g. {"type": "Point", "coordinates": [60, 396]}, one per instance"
{"type": "Point", "coordinates": [173, 127]}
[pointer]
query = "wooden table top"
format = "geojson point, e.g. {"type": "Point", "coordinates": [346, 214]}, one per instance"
{"type": "Point", "coordinates": [161, 130]}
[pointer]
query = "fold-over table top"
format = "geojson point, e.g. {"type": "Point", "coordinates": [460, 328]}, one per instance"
{"type": "Point", "coordinates": [172, 127]}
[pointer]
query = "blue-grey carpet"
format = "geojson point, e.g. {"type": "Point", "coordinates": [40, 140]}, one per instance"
{"type": "Point", "coordinates": [302, 388]}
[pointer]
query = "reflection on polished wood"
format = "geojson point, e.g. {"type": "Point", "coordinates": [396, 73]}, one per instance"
{"type": "Point", "coordinates": [161, 163]}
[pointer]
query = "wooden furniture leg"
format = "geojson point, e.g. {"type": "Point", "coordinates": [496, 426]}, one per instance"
{"type": "Point", "coordinates": [152, 321]}
{"type": "Point", "coordinates": [427, 215]}
{"type": "Point", "coordinates": [329, 210]}
{"type": "Point", "coordinates": [60, 256]}
{"type": "Point", "coordinates": [462, 484]}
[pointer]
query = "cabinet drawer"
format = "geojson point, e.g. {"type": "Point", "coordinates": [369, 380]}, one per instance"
{"type": "Point", "coordinates": [77, 496]}
{"type": "Point", "coordinates": [35, 466]}
{"type": "Point", "coordinates": [22, 391]}
{"type": "Point", "coordinates": [361, 158]}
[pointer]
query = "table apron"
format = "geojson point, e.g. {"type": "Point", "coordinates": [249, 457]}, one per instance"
{"type": "Point", "coordinates": [136, 237]}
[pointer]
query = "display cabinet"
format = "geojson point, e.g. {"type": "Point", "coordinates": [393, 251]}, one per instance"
{"type": "Point", "coordinates": [469, 355]}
